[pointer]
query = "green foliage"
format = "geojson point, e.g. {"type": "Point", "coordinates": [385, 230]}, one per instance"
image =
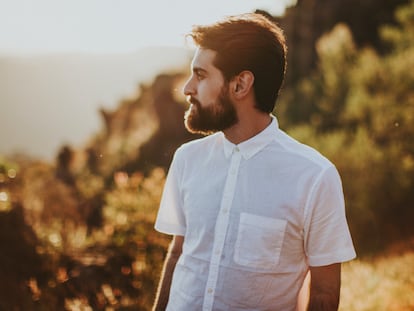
{"type": "Point", "coordinates": [55, 261]}
{"type": "Point", "coordinates": [129, 215]}
{"type": "Point", "coordinates": [361, 117]}
{"type": "Point", "coordinates": [399, 39]}
{"type": "Point", "coordinates": [320, 98]}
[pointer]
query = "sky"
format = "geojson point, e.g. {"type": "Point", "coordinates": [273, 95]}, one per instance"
{"type": "Point", "coordinates": [110, 26]}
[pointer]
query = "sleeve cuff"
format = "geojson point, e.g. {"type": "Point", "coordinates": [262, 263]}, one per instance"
{"type": "Point", "coordinates": [328, 259]}
{"type": "Point", "coordinates": [169, 228]}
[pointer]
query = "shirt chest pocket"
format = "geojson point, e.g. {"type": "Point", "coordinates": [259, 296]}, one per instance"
{"type": "Point", "coordinates": [259, 241]}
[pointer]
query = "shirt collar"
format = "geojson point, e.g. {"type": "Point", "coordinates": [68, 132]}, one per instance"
{"type": "Point", "coordinates": [250, 147]}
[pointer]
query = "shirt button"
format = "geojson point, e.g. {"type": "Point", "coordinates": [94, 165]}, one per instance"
{"type": "Point", "coordinates": [209, 290]}
{"type": "Point", "coordinates": [237, 149]}
{"type": "Point", "coordinates": [225, 211]}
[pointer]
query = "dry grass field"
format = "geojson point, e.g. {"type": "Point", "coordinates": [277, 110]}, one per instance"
{"type": "Point", "coordinates": [384, 283]}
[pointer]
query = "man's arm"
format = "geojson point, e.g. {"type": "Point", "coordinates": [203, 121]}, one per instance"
{"type": "Point", "coordinates": [325, 288]}
{"type": "Point", "coordinates": [163, 292]}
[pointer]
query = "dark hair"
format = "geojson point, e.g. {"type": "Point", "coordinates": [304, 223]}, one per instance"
{"type": "Point", "coordinates": [248, 42]}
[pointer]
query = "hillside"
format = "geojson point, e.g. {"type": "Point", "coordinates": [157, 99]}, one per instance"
{"type": "Point", "coordinates": [49, 100]}
{"type": "Point", "coordinates": [86, 220]}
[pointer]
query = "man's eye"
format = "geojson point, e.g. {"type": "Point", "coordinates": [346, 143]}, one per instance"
{"type": "Point", "coordinates": [199, 76]}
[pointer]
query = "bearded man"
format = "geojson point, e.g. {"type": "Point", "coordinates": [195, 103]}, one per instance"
{"type": "Point", "coordinates": [251, 210]}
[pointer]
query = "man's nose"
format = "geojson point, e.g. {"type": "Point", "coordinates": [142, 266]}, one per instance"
{"type": "Point", "coordinates": [188, 88]}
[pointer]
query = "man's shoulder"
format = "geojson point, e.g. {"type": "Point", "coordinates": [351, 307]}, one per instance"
{"type": "Point", "coordinates": [198, 144]}
{"type": "Point", "coordinates": [302, 151]}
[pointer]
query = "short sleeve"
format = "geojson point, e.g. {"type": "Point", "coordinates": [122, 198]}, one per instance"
{"type": "Point", "coordinates": [327, 236]}
{"type": "Point", "coordinates": [170, 217]}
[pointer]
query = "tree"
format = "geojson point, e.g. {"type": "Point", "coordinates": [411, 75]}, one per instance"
{"type": "Point", "coordinates": [361, 115]}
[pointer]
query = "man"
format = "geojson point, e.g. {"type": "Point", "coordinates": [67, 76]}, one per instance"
{"type": "Point", "coordinates": [251, 209]}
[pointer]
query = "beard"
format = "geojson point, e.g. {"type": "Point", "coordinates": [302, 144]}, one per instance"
{"type": "Point", "coordinates": [213, 118]}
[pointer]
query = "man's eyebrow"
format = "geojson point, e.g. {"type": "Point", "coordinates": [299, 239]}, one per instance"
{"type": "Point", "coordinates": [199, 70]}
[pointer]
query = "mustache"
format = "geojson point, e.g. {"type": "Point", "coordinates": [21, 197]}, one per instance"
{"type": "Point", "coordinates": [193, 101]}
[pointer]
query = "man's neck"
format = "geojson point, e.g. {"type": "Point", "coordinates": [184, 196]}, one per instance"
{"type": "Point", "coordinates": [248, 126]}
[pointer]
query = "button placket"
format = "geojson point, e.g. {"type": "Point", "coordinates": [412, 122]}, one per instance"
{"type": "Point", "coordinates": [221, 228]}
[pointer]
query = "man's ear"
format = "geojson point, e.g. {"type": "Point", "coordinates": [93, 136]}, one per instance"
{"type": "Point", "coordinates": [242, 84]}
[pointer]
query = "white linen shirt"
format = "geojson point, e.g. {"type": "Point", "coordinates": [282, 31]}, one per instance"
{"type": "Point", "coordinates": [254, 217]}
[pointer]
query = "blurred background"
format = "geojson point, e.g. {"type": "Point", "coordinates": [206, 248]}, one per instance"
{"type": "Point", "coordinates": [91, 112]}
